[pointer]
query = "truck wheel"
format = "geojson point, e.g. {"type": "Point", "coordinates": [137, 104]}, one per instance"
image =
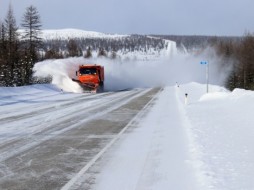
{"type": "Point", "coordinates": [101, 87]}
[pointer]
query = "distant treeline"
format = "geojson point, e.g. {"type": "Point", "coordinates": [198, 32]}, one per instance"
{"type": "Point", "coordinates": [197, 42]}
{"type": "Point", "coordinates": [238, 54]}
{"type": "Point", "coordinates": [62, 48]}
{"type": "Point", "coordinates": [19, 53]}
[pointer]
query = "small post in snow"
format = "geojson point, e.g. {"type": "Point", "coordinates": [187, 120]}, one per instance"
{"type": "Point", "coordinates": [186, 99]}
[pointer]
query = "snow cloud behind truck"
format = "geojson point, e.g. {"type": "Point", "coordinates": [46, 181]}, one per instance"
{"type": "Point", "coordinates": [134, 73]}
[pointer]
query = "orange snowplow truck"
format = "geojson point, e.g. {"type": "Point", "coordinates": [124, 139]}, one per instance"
{"type": "Point", "coordinates": [90, 77]}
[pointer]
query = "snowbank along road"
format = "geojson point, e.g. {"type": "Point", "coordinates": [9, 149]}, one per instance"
{"type": "Point", "coordinates": [50, 140]}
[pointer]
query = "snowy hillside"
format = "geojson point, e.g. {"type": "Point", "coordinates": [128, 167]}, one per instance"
{"type": "Point", "coordinates": [65, 34]}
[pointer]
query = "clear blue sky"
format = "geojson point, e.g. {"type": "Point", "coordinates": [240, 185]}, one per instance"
{"type": "Point", "coordinates": [182, 17]}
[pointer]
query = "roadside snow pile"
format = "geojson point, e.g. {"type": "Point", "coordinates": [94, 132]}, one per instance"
{"type": "Point", "coordinates": [23, 90]}
{"type": "Point", "coordinates": [11, 95]}
{"type": "Point", "coordinates": [197, 92]}
{"type": "Point", "coordinates": [222, 129]}
{"type": "Point", "coordinates": [236, 94]}
{"type": "Point", "coordinates": [214, 96]}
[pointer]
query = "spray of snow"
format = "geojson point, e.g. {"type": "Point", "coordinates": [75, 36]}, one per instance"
{"type": "Point", "coordinates": [62, 71]}
{"type": "Point", "coordinates": [135, 70]}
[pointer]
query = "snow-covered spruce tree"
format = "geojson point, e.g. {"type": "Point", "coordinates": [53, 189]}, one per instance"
{"type": "Point", "coordinates": [88, 53]}
{"type": "Point", "coordinates": [31, 40]}
{"type": "Point", "coordinates": [53, 49]}
{"type": "Point", "coordinates": [12, 45]}
{"type": "Point", "coordinates": [102, 53]}
{"type": "Point", "coordinates": [73, 49]}
{"type": "Point", "coordinates": [113, 54]}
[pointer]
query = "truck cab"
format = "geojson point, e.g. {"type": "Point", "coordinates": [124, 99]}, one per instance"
{"type": "Point", "coordinates": [90, 77]}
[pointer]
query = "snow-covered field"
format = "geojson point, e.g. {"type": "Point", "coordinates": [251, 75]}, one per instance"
{"type": "Point", "coordinates": [221, 128]}
{"type": "Point", "coordinates": [204, 144]}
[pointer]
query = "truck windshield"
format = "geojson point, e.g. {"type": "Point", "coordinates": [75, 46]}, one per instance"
{"type": "Point", "coordinates": [87, 71]}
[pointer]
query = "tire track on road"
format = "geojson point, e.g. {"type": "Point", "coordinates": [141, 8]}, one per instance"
{"type": "Point", "coordinates": [51, 129]}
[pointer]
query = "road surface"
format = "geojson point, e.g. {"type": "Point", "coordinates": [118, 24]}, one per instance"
{"type": "Point", "coordinates": [50, 142]}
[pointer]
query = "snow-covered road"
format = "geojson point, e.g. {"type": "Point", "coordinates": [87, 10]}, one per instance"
{"type": "Point", "coordinates": [155, 155]}
{"type": "Point", "coordinates": [47, 137]}
{"type": "Point", "coordinates": [135, 140]}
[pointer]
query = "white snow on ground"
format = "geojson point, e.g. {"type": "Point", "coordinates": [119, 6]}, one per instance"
{"type": "Point", "coordinates": [222, 128]}
{"type": "Point", "coordinates": [13, 95]}
{"type": "Point", "coordinates": [22, 100]}
{"type": "Point", "coordinates": [206, 144]}
{"type": "Point", "coordinates": [66, 34]}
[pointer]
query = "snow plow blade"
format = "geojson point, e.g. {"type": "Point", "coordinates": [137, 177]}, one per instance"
{"type": "Point", "coordinates": [88, 87]}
